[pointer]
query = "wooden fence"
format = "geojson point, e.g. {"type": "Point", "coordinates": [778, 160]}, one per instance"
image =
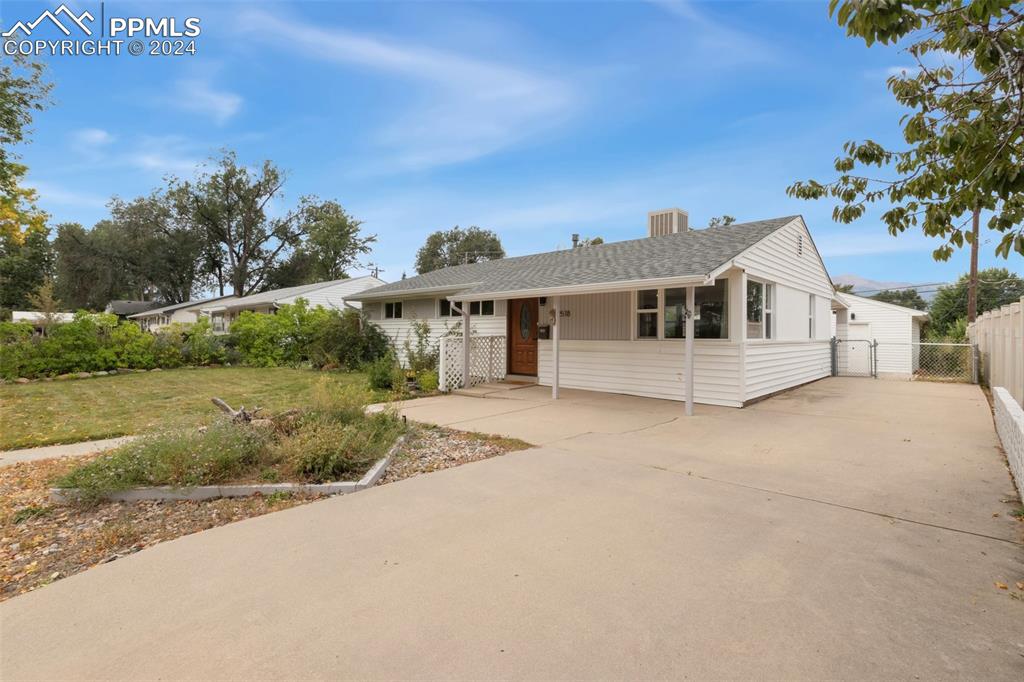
{"type": "Point", "coordinates": [999, 335]}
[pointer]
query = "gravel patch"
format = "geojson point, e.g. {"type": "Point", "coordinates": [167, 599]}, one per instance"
{"type": "Point", "coordinates": [435, 448]}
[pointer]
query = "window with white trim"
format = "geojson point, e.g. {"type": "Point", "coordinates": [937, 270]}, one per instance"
{"type": "Point", "coordinates": [712, 305]}
{"type": "Point", "coordinates": [447, 309]}
{"type": "Point", "coordinates": [393, 310]}
{"type": "Point", "coordinates": [760, 299]}
{"type": "Point", "coordinates": [647, 314]}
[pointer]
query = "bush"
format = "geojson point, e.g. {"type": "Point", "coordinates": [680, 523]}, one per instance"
{"type": "Point", "coordinates": [337, 439]}
{"type": "Point", "coordinates": [422, 355]}
{"type": "Point", "coordinates": [299, 335]}
{"type": "Point", "coordinates": [94, 342]}
{"type": "Point", "coordinates": [428, 381]}
{"type": "Point", "coordinates": [381, 373]}
{"type": "Point", "coordinates": [218, 454]}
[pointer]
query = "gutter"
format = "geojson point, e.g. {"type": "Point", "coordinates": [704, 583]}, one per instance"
{"type": "Point", "coordinates": [568, 290]}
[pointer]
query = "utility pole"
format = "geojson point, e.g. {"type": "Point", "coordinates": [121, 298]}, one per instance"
{"type": "Point", "coordinates": [972, 287]}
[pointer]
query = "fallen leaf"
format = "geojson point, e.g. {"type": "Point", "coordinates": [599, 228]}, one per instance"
{"type": "Point", "coordinates": [1002, 586]}
{"type": "Point", "coordinates": [1020, 585]}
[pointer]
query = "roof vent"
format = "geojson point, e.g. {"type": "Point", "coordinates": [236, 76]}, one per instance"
{"type": "Point", "coordinates": [667, 221]}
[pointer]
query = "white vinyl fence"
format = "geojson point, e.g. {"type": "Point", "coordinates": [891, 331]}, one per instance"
{"type": "Point", "coordinates": [999, 335]}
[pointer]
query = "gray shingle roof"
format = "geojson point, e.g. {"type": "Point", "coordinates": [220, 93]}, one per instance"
{"type": "Point", "coordinates": [178, 306]}
{"type": "Point", "coordinates": [278, 294]}
{"type": "Point", "coordinates": [686, 254]}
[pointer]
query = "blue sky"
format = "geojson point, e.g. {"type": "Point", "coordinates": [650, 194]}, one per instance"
{"type": "Point", "coordinates": [533, 119]}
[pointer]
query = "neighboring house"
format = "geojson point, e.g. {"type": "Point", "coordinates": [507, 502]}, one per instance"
{"type": "Point", "coordinates": [125, 308]}
{"type": "Point", "coordinates": [897, 329]}
{"type": "Point", "coordinates": [333, 294]}
{"type": "Point", "coordinates": [38, 319]}
{"type": "Point", "coordinates": [183, 313]}
{"type": "Point", "coordinates": [760, 289]}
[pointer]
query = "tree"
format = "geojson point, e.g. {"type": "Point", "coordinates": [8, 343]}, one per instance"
{"type": "Point", "coordinates": [721, 221]}
{"type": "Point", "coordinates": [153, 239]}
{"type": "Point", "coordinates": [844, 288]}
{"type": "Point", "coordinates": [44, 301]}
{"type": "Point", "coordinates": [85, 276]}
{"type": "Point", "coordinates": [26, 262]}
{"type": "Point", "coordinates": [908, 298]}
{"type": "Point", "coordinates": [22, 92]}
{"type": "Point", "coordinates": [456, 246]}
{"type": "Point", "coordinates": [332, 246]}
{"type": "Point", "coordinates": [244, 242]}
{"type": "Point", "coordinates": [996, 287]}
{"type": "Point", "coordinates": [591, 241]}
{"type": "Point", "coordinates": [965, 133]}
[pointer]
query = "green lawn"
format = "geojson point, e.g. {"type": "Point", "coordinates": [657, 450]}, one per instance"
{"type": "Point", "coordinates": [45, 413]}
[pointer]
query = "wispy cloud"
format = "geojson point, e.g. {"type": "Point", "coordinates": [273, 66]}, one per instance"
{"type": "Point", "coordinates": [728, 44]}
{"type": "Point", "coordinates": [464, 107]}
{"type": "Point", "coordinates": [199, 96]}
{"type": "Point", "coordinates": [54, 194]}
{"type": "Point", "coordinates": [164, 155]}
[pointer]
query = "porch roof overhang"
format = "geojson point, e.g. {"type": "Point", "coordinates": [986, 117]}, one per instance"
{"type": "Point", "coordinates": [484, 294]}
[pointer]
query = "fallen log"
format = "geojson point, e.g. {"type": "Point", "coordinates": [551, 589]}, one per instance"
{"type": "Point", "coordinates": [241, 415]}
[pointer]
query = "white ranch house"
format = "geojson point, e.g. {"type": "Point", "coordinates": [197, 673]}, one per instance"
{"type": "Point", "coordinates": [336, 293]}
{"type": "Point", "coordinates": [613, 317]}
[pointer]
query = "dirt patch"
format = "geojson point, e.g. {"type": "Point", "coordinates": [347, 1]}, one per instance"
{"type": "Point", "coordinates": [41, 542]}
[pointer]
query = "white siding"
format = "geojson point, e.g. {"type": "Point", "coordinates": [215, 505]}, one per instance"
{"type": "Point", "coordinates": [334, 295]}
{"type": "Point", "coordinates": [777, 258]}
{"type": "Point", "coordinates": [594, 317]}
{"type": "Point", "coordinates": [426, 309]}
{"type": "Point", "coordinates": [773, 367]}
{"type": "Point", "coordinates": [653, 369]}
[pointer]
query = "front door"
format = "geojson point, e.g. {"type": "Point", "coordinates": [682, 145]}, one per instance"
{"type": "Point", "coordinates": [522, 336]}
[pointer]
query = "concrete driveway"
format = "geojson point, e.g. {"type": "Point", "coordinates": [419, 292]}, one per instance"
{"type": "Point", "coordinates": [843, 530]}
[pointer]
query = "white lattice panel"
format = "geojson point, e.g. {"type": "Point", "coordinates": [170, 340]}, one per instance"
{"type": "Point", "coordinates": [487, 361]}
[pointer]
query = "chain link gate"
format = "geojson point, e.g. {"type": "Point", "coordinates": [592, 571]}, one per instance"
{"type": "Point", "coordinates": [854, 357]}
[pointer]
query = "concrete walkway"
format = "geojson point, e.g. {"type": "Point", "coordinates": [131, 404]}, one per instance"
{"type": "Point", "coordinates": [844, 530]}
{"type": "Point", "coordinates": [9, 457]}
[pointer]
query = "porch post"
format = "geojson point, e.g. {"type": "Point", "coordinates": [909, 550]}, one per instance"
{"type": "Point", "coordinates": [690, 310]}
{"type": "Point", "coordinates": [466, 347]}
{"type": "Point", "coordinates": [556, 303]}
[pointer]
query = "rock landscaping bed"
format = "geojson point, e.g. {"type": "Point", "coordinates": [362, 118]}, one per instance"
{"type": "Point", "coordinates": [41, 542]}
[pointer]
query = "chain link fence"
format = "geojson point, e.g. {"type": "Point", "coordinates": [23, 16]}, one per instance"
{"type": "Point", "coordinates": [926, 361]}
{"type": "Point", "coordinates": [945, 362]}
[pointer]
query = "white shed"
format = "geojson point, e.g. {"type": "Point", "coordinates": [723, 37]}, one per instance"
{"type": "Point", "coordinates": [896, 329]}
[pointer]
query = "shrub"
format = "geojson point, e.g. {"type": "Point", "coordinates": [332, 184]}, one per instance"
{"type": "Point", "coordinates": [347, 340]}
{"type": "Point", "coordinates": [422, 355]}
{"type": "Point", "coordinates": [428, 381]}
{"type": "Point", "coordinates": [337, 439]}
{"type": "Point", "coordinates": [381, 372]}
